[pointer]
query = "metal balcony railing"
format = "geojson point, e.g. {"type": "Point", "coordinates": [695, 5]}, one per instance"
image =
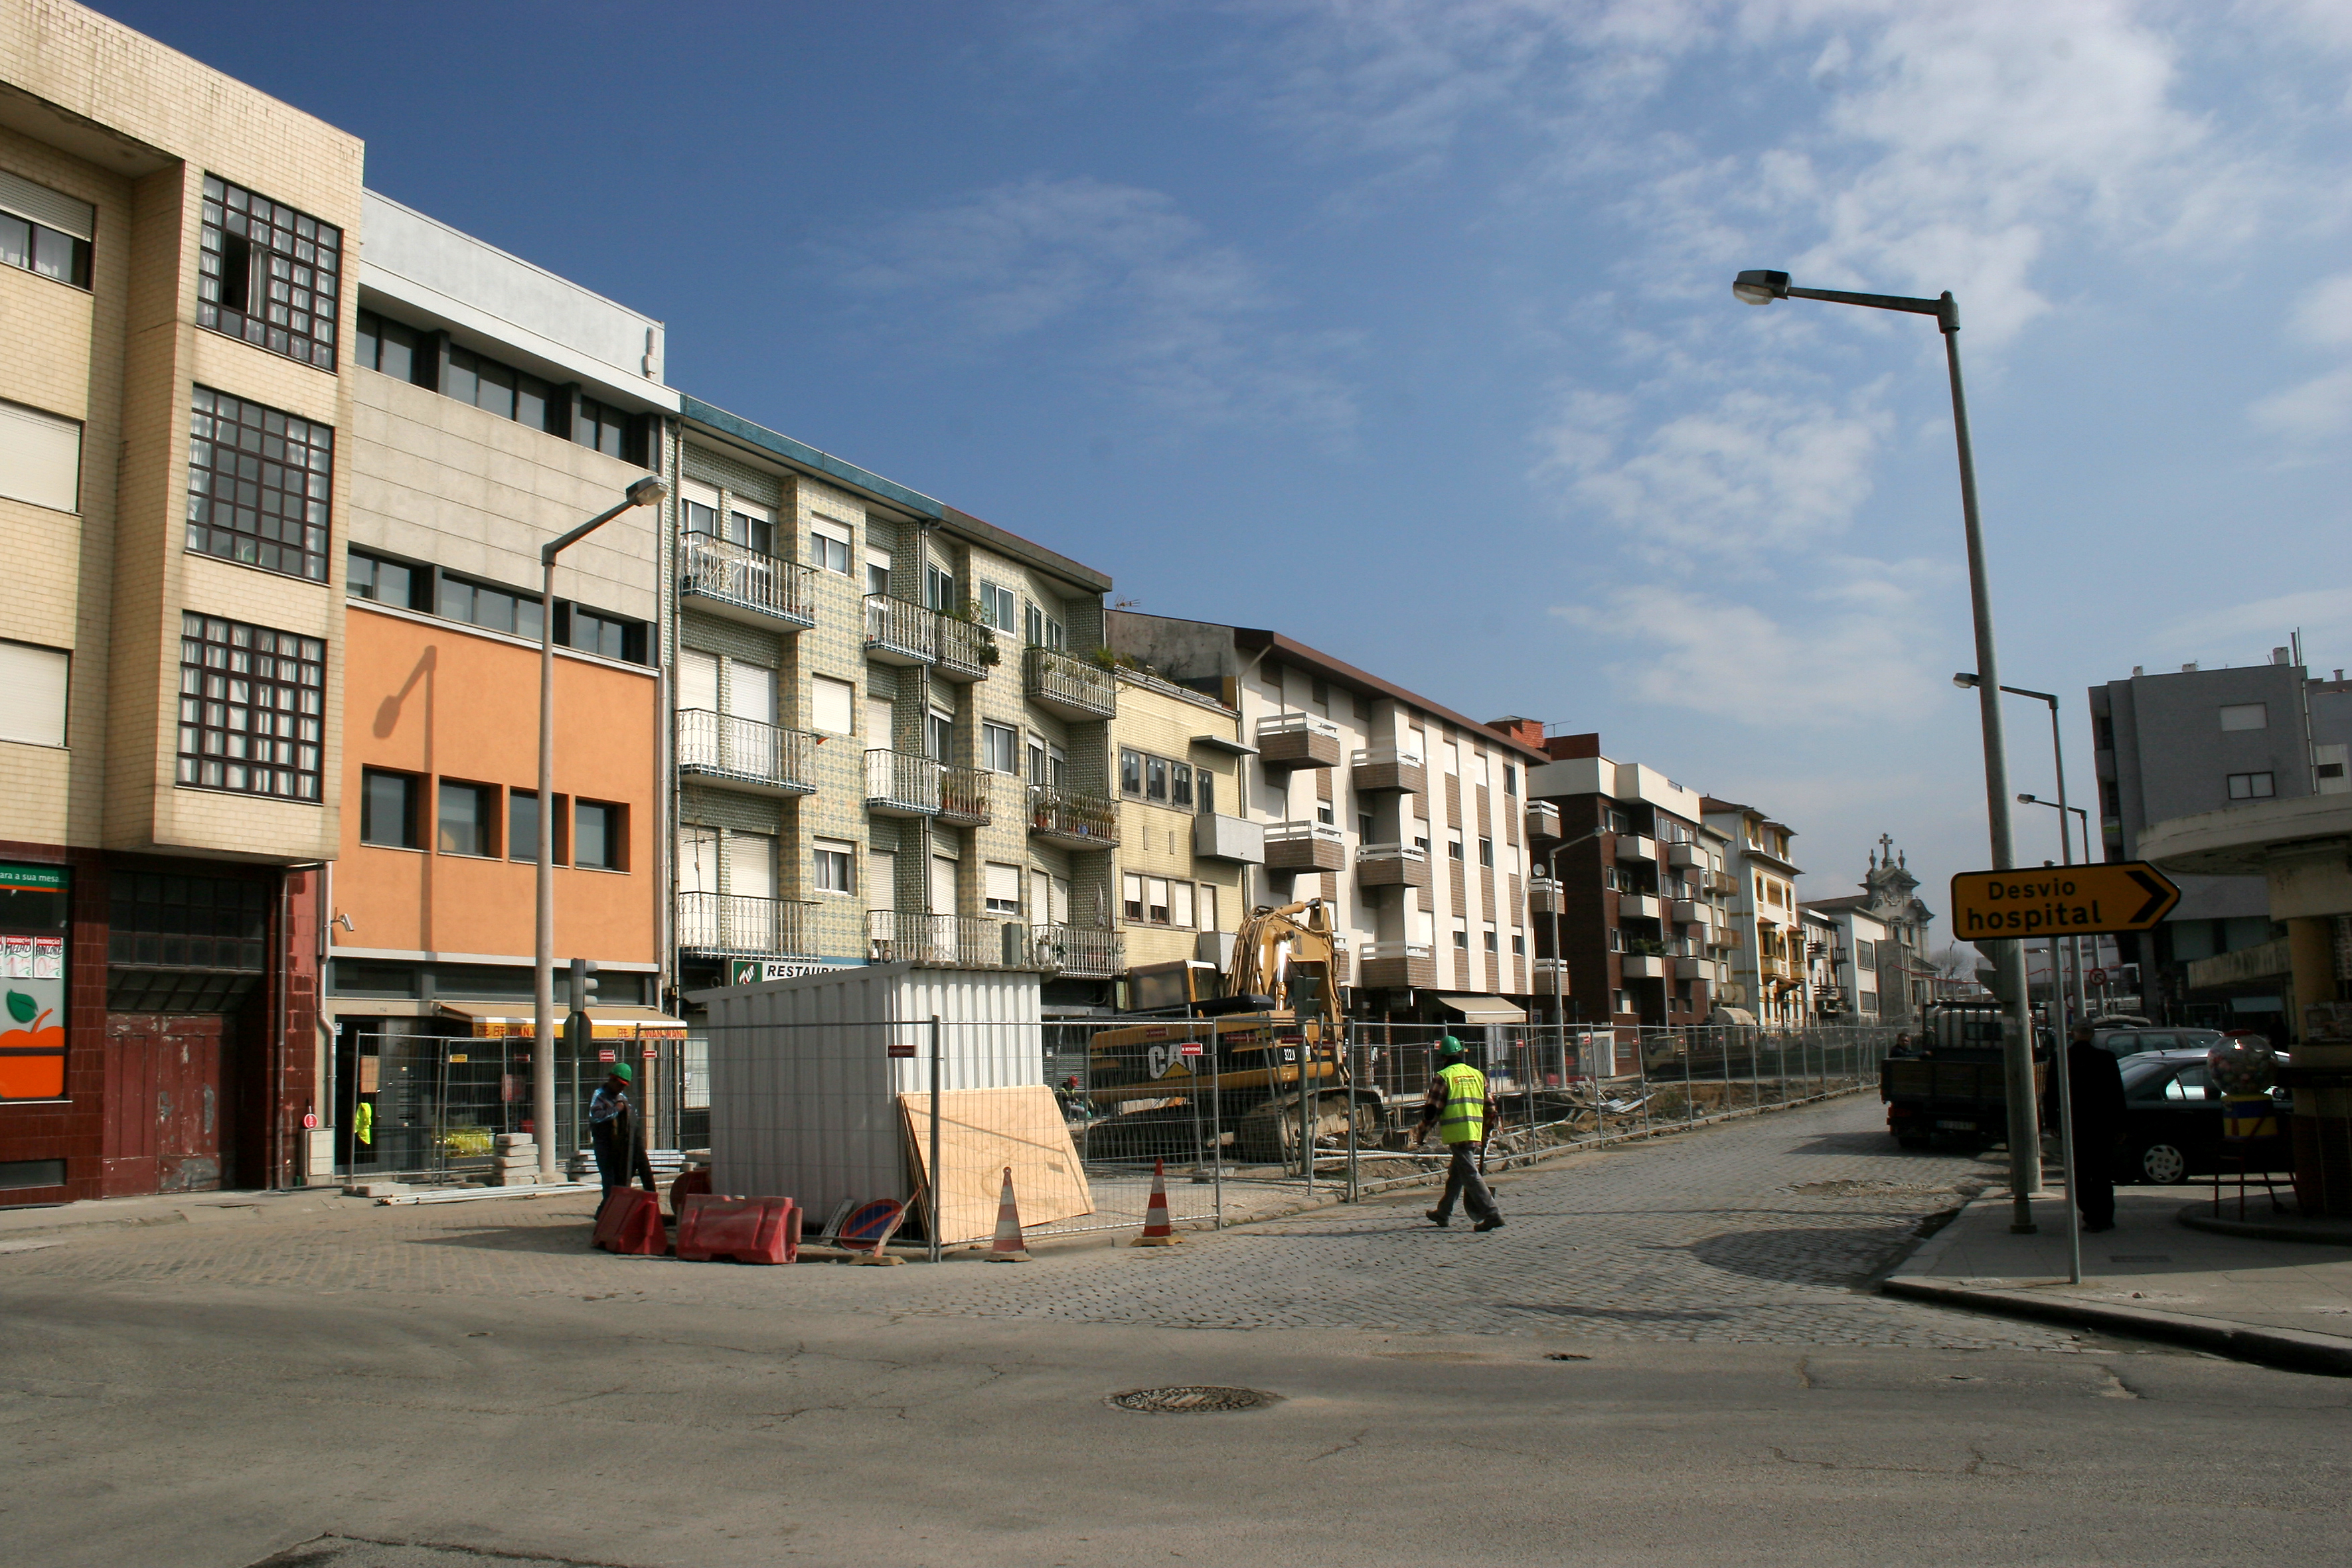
{"type": "Point", "coordinates": [732, 577]}
{"type": "Point", "coordinates": [1067, 816]}
{"type": "Point", "coordinates": [963, 795]}
{"type": "Point", "coordinates": [732, 923]}
{"type": "Point", "coordinates": [901, 783]}
{"type": "Point", "coordinates": [900, 631]}
{"type": "Point", "coordinates": [745, 750]}
{"type": "Point", "coordinates": [947, 941]}
{"type": "Point", "coordinates": [1072, 687]}
{"type": "Point", "coordinates": [1080, 953]}
{"type": "Point", "coordinates": [966, 650]}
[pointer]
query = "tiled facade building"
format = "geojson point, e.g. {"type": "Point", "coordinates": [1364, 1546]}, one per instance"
{"type": "Point", "coordinates": [1768, 962]}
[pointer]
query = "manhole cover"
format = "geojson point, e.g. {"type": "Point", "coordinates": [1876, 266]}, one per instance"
{"type": "Point", "coordinates": [1189, 1399]}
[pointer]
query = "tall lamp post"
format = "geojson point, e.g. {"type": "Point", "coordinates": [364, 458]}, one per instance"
{"type": "Point", "coordinates": [1560, 959]}
{"type": "Point", "coordinates": [1759, 288]}
{"type": "Point", "coordinates": [646, 491]}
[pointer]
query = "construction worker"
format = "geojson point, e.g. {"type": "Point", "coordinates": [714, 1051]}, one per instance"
{"type": "Point", "coordinates": [613, 1133]}
{"type": "Point", "coordinates": [1460, 1107]}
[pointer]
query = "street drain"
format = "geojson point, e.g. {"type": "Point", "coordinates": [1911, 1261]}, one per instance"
{"type": "Point", "coordinates": [1174, 1400]}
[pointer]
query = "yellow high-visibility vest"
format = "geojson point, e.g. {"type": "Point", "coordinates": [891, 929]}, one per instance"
{"type": "Point", "coordinates": [1464, 1120]}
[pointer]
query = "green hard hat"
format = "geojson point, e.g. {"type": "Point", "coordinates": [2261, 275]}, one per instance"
{"type": "Point", "coordinates": [621, 1070]}
{"type": "Point", "coordinates": [1449, 1047]}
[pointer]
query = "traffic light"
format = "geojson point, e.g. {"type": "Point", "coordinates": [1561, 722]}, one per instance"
{"type": "Point", "coordinates": [578, 1030]}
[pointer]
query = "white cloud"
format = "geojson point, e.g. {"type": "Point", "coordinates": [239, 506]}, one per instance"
{"type": "Point", "coordinates": [1747, 475]}
{"type": "Point", "coordinates": [1189, 325]}
{"type": "Point", "coordinates": [2311, 411]}
{"type": "Point", "coordinates": [1848, 654]}
{"type": "Point", "coordinates": [2256, 627]}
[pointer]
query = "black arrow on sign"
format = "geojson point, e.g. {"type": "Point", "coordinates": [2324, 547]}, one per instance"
{"type": "Point", "coordinates": [2161, 894]}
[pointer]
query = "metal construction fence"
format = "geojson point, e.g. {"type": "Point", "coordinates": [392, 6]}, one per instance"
{"type": "Point", "coordinates": [1248, 1114]}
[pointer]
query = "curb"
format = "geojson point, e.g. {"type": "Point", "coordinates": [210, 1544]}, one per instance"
{"type": "Point", "coordinates": [2290, 1349]}
{"type": "Point", "coordinates": [2197, 1216]}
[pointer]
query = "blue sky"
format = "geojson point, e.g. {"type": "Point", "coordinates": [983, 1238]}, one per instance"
{"type": "Point", "coordinates": [1405, 327]}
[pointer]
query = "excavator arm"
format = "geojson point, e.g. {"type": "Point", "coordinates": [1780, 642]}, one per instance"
{"type": "Point", "coordinates": [1275, 946]}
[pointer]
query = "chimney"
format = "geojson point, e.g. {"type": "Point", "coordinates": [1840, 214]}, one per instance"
{"type": "Point", "coordinates": [2189, 669]}
{"type": "Point", "coordinates": [1525, 731]}
{"type": "Point", "coordinates": [1567, 748]}
{"type": "Point", "coordinates": [2138, 669]}
{"type": "Point", "coordinates": [2281, 656]}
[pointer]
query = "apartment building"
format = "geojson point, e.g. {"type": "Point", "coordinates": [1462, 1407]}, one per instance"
{"type": "Point", "coordinates": [493, 406]}
{"type": "Point", "coordinates": [890, 729]}
{"type": "Point", "coordinates": [1769, 960]}
{"type": "Point", "coordinates": [176, 279]}
{"type": "Point", "coordinates": [1638, 882]}
{"type": "Point", "coordinates": [1407, 818]}
{"type": "Point", "coordinates": [1182, 851]}
{"type": "Point", "coordinates": [1878, 942]}
{"type": "Point", "coordinates": [2177, 745]}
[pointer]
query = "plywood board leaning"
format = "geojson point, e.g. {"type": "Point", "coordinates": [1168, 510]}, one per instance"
{"type": "Point", "coordinates": [982, 1132]}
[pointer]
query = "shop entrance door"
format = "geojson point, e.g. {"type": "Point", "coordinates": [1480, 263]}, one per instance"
{"type": "Point", "coordinates": [165, 1111]}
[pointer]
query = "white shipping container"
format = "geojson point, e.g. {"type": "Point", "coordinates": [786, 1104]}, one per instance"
{"type": "Point", "coordinates": [803, 1090]}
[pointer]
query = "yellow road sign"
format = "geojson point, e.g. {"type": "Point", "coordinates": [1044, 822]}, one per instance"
{"type": "Point", "coordinates": [2061, 900]}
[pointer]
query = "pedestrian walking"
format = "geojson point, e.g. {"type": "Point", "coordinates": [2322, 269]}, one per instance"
{"type": "Point", "coordinates": [613, 1133]}
{"type": "Point", "coordinates": [2095, 1080]}
{"type": "Point", "coordinates": [1461, 1108]}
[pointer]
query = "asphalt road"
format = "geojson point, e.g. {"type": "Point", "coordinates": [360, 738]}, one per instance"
{"type": "Point", "coordinates": [468, 1381]}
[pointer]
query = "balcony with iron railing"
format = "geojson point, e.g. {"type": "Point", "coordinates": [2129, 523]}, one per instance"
{"type": "Point", "coordinates": [726, 579]}
{"type": "Point", "coordinates": [966, 650]}
{"type": "Point", "coordinates": [1397, 965]}
{"type": "Point", "coordinates": [1298, 740]}
{"type": "Point", "coordinates": [1391, 866]}
{"type": "Point", "coordinates": [1305, 847]}
{"type": "Point", "coordinates": [745, 753]}
{"type": "Point", "coordinates": [1075, 820]}
{"type": "Point", "coordinates": [1066, 684]}
{"type": "Point", "coordinates": [1389, 768]}
{"type": "Point", "coordinates": [947, 941]}
{"type": "Point", "coordinates": [1079, 953]}
{"type": "Point", "coordinates": [900, 631]}
{"type": "Point", "coordinates": [739, 925]}
{"type": "Point", "coordinates": [901, 783]}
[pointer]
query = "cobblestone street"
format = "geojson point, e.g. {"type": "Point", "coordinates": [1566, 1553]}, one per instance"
{"type": "Point", "coordinates": [1751, 1231]}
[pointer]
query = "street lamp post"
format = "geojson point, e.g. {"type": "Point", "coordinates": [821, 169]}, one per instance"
{"type": "Point", "coordinates": [646, 491]}
{"type": "Point", "coordinates": [1560, 959]}
{"type": "Point", "coordinates": [1761, 288]}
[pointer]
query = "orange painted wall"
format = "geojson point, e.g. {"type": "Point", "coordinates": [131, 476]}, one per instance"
{"type": "Point", "coordinates": [435, 700]}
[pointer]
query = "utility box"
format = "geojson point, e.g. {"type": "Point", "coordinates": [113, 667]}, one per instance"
{"type": "Point", "coordinates": [804, 1086]}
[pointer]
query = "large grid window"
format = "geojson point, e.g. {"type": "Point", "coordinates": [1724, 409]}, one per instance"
{"type": "Point", "coordinates": [258, 485]}
{"type": "Point", "coordinates": [252, 707]}
{"type": "Point", "coordinates": [270, 275]}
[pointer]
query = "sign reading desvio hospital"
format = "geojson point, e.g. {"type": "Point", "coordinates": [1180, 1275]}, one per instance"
{"type": "Point", "coordinates": [2062, 900]}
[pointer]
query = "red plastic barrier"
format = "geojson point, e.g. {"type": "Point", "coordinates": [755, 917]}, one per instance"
{"type": "Point", "coordinates": [688, 1183]}
{"type": "Point", "coordinates": [749, 1230]}
{"type": "Point", "coordinates": [629, 1221]}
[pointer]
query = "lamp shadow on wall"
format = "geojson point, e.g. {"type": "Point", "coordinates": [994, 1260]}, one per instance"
{"type": "Point", "coordinates": [387, 719]}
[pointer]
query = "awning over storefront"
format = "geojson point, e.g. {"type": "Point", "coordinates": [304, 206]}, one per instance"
{"type": "Point", "coordinates": [619, 1022]}
{"type": "Point", "coordinates": [1484, 1009]}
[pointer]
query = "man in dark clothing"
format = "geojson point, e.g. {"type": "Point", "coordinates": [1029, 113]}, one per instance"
{"type": "Point", "coordinates": [2095, 1081]}
{"type": "Point", "coordinates": [1462, 1108]}
{"type": "Point", "coordinates": [613, 1133]}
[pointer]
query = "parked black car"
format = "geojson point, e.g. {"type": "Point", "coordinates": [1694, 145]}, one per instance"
{"type": "Point", "coordinates": [2172, 1116]}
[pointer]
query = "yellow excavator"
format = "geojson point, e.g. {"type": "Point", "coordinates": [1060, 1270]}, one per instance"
{"type": "Point", "coordinates": [1253, 1040]}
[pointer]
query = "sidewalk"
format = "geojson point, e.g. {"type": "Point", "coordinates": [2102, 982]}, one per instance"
{"type": "Point", "coordinates": [2286, 1303]}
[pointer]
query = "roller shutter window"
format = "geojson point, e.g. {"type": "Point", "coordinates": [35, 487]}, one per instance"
{"type": "Point", "coordinates": [33, 694]}
{"type": "Point", "coordinates": [831, 704]}
{"type": "Point", "coordinates": [1003, 890]}
{"type": "Point", "coordinates": [40, 458]}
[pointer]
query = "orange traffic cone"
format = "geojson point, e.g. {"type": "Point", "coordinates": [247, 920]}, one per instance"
{"type": "Point", "coordinates": [1007, 1248]}
{"type": "Point", "coordinates": [1156, 1229]}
